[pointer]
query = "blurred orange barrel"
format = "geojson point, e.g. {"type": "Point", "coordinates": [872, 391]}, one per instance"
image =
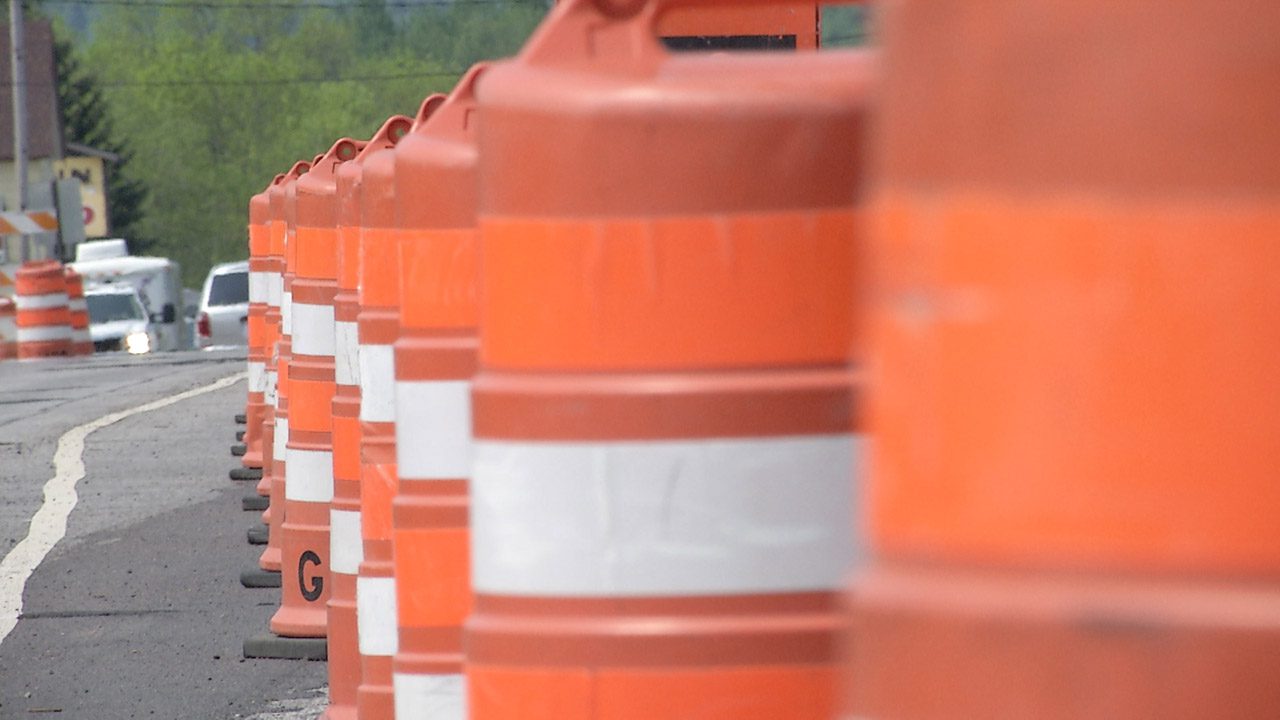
{"type": "Point", "coordinates": [8, 328]}
{"type": "Point", "coordinates": [435, 359]}
{"type": "Point", "coordinates": [345, 541]}
{"type": "Point", "coordinates": [43, 316]}
{"type": "Point", "coordinates": [660, 496]}
{"type": "Point", "coordinates": [259, 291]}
{"type": "Point", "coordinates": [1074, 509]}
{"type": "Point", "coordinates": [278, 315]}
{"type": "Point", "coordinates": [304, 547]}
{"type": "Point", "coordinates": [78, 314]}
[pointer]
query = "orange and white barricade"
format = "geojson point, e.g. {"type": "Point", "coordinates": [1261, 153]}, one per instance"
{"type": "Point", "coordinates": [660, 496]}
{"type": "Point", "coordinates": [43, 316]}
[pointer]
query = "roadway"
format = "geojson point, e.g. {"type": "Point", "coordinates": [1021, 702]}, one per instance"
{"type": "Point", "coordinates": [136, 609]}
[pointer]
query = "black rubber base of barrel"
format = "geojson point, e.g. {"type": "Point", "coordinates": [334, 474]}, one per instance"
{"type": "Point", "coordinates": [246, 473]}
{"type": "Point", "coordinates": [254, 502]}
{"type": "Point", "coordinates": [241, 419]}
{"type": "Point", "coordinates": [283, 648]}
{"type": "Point", "coordinates": [239, 450]}
{"type": "Point", "coordinates": [239, 436]}
{"type": "Point", "coordinates": [258, 534]}
{"type": "Point", "coordinates": [259, 578]}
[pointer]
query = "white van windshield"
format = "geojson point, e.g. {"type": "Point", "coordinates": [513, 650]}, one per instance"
{"type": "Point", "coordinates": [111, 307]}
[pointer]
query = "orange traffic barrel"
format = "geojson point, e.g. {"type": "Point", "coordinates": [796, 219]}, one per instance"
{"type": "Point", "coordinates": [278, 368]}
{"type": "Point", "coordinates": [278, 315]}
{"type": "Point", "coordinates": [1073, 508]}
{"type": "Point", "coordinates": [78, 314]}
{"type": "Point", "coordinates": [8, 328]}
{"type": "Point", "coordinates": [435, 359]}
{"type": "Point", "coordinates": [259, 281]}
{"type": "Point", "coordinates": [346, 543]}
{"type": "Point", "coordinates": [660, 494]}
{"type": "Point", "coordinates": [378, 327]}
{"type": "Point", "coordinates": [43, 318]}
{"type": "Point", "coordinates": [304, 580]}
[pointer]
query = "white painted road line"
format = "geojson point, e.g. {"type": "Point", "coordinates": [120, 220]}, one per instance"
{"type": "Point", "coordinates": [296, 709]}
{"type": "Point", "coordinates": [49, 523]}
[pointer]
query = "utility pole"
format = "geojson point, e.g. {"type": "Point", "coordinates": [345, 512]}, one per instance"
{"type": "Point", "coordinates": [18, 64]}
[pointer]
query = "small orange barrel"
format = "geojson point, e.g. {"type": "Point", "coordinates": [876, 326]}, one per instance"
{"type": "Point", "coordinates": [276, 429]}
{"type": "Point", "coordinates": [345, 542]}
{"type": "Point", "coordinates": [378, 328]}
{"type": "Point", "coordinates": [8, 329]}
{"type": "Point", "coordinates": [259, 291]}
{"type": "Point", "coordinates": [435, 359]}
{"type": "Point", "coordinates": [270, 283]}
{"type": "Point", "coordinates": [43, 318]}
{"type": "Point", "coordinates": [304, 580]}
{"type": "Point", "coordinates": [78, 314]}
{"type": "Point", "coordinates": [660, 496]}
{"type": "Point", "coordinates": [1074, 507]}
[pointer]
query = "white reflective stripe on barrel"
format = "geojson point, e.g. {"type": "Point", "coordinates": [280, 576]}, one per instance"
{"type": "Point", "coordinates": [433, 429]}
{"type": "Point", "coordinates": [259, 286]}
{"type": "Point", "coordinates": [286, 312]}
{"type": "Point", "coordinates": [377, 383]}
{"type": "Point", "coordinates": [346, 548]}
{"type": "Point", "coordinates": [430, 697]}
{"type": "Point", "coordinates": [281, 439]}
{"type": "Point", "coordinates": [691, 517]}
{"type": "Point", "coordinates": [275, 290]}
{"type": "Point", "coordinates": [81, 335]}
{"type": "Point", "coordinates": [376, 615]}
{"type": "Point", "coordinates": [310, 475]}
{"type": "Point", "coordinates": [346, 353]}
{"type": "Point", "coordinates": [41, 302]}
{"type": "Point", "coordinates": [44, 333]}
{"type": "Point", "coordinates": [77, 305]}
{"type": "Point", "coordinates": [269, 388]}
{"type": "Point", "coordinates": [257, 376]}
{"type": "Point", "coordinates": [312, 329]}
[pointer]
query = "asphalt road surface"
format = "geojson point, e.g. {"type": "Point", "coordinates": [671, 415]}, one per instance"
{"type": "Point", "coordinates": [136, 610]}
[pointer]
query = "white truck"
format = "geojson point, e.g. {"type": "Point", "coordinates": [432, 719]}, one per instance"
{"type": "Point", "coordinates": [157, 280]}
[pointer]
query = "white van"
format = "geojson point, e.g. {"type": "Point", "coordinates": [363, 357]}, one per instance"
{"type": "Point", "coordinates": [117, 320]}
{"type": "Point", "coordinates": [157, 282]}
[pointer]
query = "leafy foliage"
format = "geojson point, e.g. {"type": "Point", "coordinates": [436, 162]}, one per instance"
{"type": "Point", "coordinates": [214, 101]}
{"type": "Point", "coordinates": [86, 119]}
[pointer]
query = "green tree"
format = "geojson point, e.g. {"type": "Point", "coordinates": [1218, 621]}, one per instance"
{"type": "Point", "coordinates": [215, 100]}
{"type": "Point", "coordinates": [86, 119]}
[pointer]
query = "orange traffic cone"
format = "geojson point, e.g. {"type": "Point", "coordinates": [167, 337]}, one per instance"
{"type": "Point", "coordinates": [346, 544]}
{"type": "Point", "coordinates": [378, 329]}
{"type": "Point", "coordinates": [43, 316]}
{"type": "Point", "coordinates": [309, 449]}
{"type": "Point", "coordinates": [1073, 507]}
{"type": "Point", "coordinates": [660, 498]}
{"type": "Point", "coordinates": [276, 429]}
{"type": "Point", "coordinates": [259, 290]}
{"type": "Point", "coordinates": [435, 358]}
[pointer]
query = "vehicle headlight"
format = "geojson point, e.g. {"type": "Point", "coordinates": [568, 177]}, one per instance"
{"type": "Point", "coordinates": [137, 343]}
